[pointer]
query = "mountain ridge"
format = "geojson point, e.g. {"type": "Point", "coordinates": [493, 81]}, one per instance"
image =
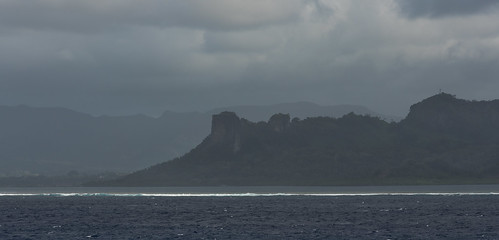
{"type": "Point", "coordinates": [432, 145]}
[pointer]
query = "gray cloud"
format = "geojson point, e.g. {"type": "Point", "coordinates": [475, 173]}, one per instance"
{"type": "Point", "coordinates": [126, 57]}
{"type": "Point", "coordinates": [115, 15]}
{"type": "Point", "coordinates": [442, 8]}
{"type": "Point", "coordinates": [241, 41]}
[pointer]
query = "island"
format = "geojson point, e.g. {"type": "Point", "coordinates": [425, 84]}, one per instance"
{"type": "Point", "coordinates": [443, 140]}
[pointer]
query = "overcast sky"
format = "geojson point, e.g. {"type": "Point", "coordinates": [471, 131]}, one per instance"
{"type": "Point", "coordinates": [125, 56]}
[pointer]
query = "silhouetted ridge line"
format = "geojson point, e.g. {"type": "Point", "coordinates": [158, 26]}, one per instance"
{"type": "Point", "coordinates": [443, 140]}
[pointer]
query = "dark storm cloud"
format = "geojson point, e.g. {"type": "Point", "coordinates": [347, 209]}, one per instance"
{"type": "Point", "coordinates": [127, 56]}
{"type": "Point", "coordinates": [442, 8]}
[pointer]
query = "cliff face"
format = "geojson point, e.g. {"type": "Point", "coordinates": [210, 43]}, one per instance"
{"type": "Point", "coordinates": [443, 140]}
{"type": "Point", "coordinates": [279, 122]}
{"type": "Point", "coordinates": [226, 130]}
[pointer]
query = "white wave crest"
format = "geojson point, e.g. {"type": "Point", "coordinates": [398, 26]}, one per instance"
{"type": "Point", "coordinates": [97, 194]}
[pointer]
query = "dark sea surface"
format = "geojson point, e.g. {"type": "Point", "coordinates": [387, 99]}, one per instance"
{"type": "Point", "coordinates": [434, 212]}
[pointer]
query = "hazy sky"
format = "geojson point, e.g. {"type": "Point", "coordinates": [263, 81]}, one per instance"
{"type": "Point", "coordinates": [129, 56]}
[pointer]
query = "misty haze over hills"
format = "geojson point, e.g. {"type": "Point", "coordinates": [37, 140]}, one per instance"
{"type": "Point", "coordinates": [55, 141]}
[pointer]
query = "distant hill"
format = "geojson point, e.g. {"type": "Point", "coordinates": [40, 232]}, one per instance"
{"type": "Point", "coordinates": [55, 141]}
{"type": "Point", "coordinates": [443, 140]}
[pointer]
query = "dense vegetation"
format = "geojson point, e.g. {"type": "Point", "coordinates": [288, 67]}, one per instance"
{"type": "Point", "coordinates": [442, 140]}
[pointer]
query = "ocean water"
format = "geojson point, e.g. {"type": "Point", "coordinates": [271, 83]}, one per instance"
{"type": "Point", "coordinates": [429, 212]}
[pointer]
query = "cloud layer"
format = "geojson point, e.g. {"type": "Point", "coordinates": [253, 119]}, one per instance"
{"type": "Point", "coordinates": [124, 57]}
{"type": "Point", "coordinates": [444, 8]}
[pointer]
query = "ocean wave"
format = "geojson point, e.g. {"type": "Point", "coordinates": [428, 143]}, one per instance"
{"type": "Point", "coordinates": [77, 194]}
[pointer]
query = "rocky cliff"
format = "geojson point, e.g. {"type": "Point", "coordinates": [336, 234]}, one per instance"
{"type": "Point", "coordinates": [226, 130]}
